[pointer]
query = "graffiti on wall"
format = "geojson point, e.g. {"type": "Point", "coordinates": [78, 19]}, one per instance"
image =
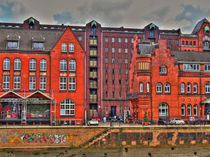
{"type": "Point", "coordinates": [43, 138]}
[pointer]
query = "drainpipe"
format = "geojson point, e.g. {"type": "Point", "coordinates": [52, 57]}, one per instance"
{"type": "Point", "coordinates": [85, 90]}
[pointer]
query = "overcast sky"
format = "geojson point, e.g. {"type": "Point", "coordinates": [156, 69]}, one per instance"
{"type": "Point", "coordinates": [167, 14]}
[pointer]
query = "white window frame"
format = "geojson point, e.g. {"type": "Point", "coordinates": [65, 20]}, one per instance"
{"type": "Point", "coordinates": [183, 110]}
{"type": "Point", "coordinates": [38, 45]}
{"type": "Point", "coordinates": [72, 65]}
{"type": "Point", "coordinates": [163, 109]}
{"type": "Point", "coordinates": [189, 110]}
{"type": "Point", "coordinates": [167, 88]}
{"type": "Point", "coordinates": [207, 67]}
{"type": "Point", "coordinates": [126, 40]}
{"type": "Point", "coordinates": [119, 40]}
{"type": "Point", "coordinates": [148, 87]}
{"type": "Point", "coordinates": [113, 39]}
{"type": "Point", "coordinates": [159, 88]}
{"type": "Point", "coordinates": [113, 50]}
{"type": "Point", "coordinates": [141, 88]}
{"type": "Point", "coordinates": [163, 70]}
{"type": "Point", "coordinates": [71, 48]}
{"type": "Point", "coordinates": [17, 64]}
{"type": "Point", "coordinates": [67, 108]}
{"type": "Point", "coordinates": [119, 50]}
{"type": "Point", "coordinates": [63, 83]}
{"type": "Point", "coordinates": [182, 88]}
{"type": "Point", "coordinates": [195, 88]}
{"type": "Point", "coordinates": [17, 82]}
{"type": "Point", "coordinates": [32, 64]}
{"type": "Point", "coordinates": [63, 65]}
{"type": "Point", "coordinates": [195, 110]}
{"type": "Point", "coordinates": [126, 50]}
{"type": "Point", "coordinates": [43, 65]}
{"type": "Point", "coordinates": [32, 83]}
{"type": "Point", "coordinates": [126, 61]}
{"type": "Point", "coordinates": [6, 82]}
{"type": "Point", "coordinates": [6, 64]}
{"type": "Point", "coordinates": [207, 87]}
{"type": "Point", "coordinates": [43, 83]}
{"type": "Point", "coordinates": [64, 47]}
{"type": "Point", "coordinates": [191, 67]}
{"type": "Point", "coordinates": [72, 83]}
{"type": "Point", "coordinates": [13, 44]}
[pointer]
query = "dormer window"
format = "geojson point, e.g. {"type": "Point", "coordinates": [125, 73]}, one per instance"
{"type": "Point", "coordinates": [38, 45]}
{"type": "Point", "coordinates": [31, 23]}
{"type": "Point", "coordinates": [12, 44]}
{"type": "Point", "coordinates": [206, 29]}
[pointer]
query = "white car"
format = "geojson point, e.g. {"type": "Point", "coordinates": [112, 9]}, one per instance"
{"type": "Point", "coordinates": [177, 121]}
{"type": "Point", "coordinates": [93, 122]}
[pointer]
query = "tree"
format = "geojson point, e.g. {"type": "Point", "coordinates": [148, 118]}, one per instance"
{"type": "Point", "coordinates": [145, 116]}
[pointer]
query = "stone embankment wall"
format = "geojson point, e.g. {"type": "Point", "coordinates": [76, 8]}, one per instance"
{"type": "Point", "coordinates": [28, 137]}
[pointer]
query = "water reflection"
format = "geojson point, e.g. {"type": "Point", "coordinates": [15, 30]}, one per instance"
{"type": "Point", "coordinates": [121, 152]}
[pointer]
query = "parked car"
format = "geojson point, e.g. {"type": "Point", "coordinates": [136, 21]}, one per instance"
{"type": "Point", "coordinates": [163, 122]}
{"type": "Point", "coordinates": [177, 121]}
{"type": "Point", "coordinates": [96, 117]}
{"type": "Point", "coordinates": [92, 122]}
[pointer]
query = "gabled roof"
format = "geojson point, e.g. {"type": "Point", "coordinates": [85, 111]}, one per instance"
{"type": "Point", "coordinates": [10, 94]}
{"type": "Point", "coordinates": [151, 25]}
{"type": "Point", "coordinates": [199, 25]}
{"type": "Point", "coordinates": [40, 94]}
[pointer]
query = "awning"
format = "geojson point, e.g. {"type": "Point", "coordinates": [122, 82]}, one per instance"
{"type": "Point", "coordinates": [207, 100]}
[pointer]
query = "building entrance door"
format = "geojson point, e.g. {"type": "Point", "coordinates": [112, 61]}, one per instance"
{"type": "Point", "coordinates": [113, 111]}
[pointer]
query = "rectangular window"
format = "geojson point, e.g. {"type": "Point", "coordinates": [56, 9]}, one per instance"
{"type": "Point", "coordinates": [106, 60]}
{"type": "Point", "coordinates": [132, 40]}
{"type": "Point", "coordinates": [191, 67]}
{"type": "Point", "coordinates": [42, 83]}
{"type": "Point", "coordinates": [126, 71]}
{"type": "Point", "coordinates": [194, 43]}
{"type": "Point", "coordinates": [106, 49]}
{"type": "Point", "coordinates": [120, 94]}
{"type": "Point", "coordinates": [38, 45]}
{"type": "Point", "coordinates": [119, 71]}
{"type": "Point", "coordinates": [147, 87]}
{"type": "Point", "coordinates": [32, 83]}
{"type": "Point", "coordinates": [12, 44]}
{"type": "Point", "coordinates": [113, 71]}
{"type": "Point", "coordinates": [112, 94]}
{"type": "Point", "coordinates": [113, 82]}
{"type": "Point", "coordinates": [126, 40]}
{"type": "Point", "coordinates": [112, 60]}
{"type": "Point", "coordinates": [72, 84]}
{"type": "Point", "coordinates": [6, 82]}
{"type": "Point", "coordinates": [141, 87]}
{"type": "Point", "coordinates": [119, 50]}
{"type": "Point", "coordinates": [182, 43]}
{"type": "Point", "coordinates": [119, 60]}
{"type": "Point", "coordinates": [195, 88]}
{"type": "Point", "coordinates": [126, 50]}
{"type": "Point", "coordinates": [113, 50]}
{"type": "Point", "coordinates": [16, 82]}
{"type": "Point", "coordinates": [119, 82]}
{"type": "Point", "coordinates": [126, 61]}
{"type": "Point", "coordinates": [106, 71]}
{"type": "Point", "coordinates": [63, 81]}
{"type": "Point", "coordinates": [106, 39]}
{"type": "Point", "coordinates": [106, 96]}
{"type": "Point", "coordinates": [112, 39]}
{"type": "Point", "coordinates": [207, 67]}
{"type": "Point", "coordinates": [119, 40]}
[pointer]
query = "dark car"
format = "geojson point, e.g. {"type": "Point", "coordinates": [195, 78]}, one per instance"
{"type": "Point", "coordinates": [163, 122]}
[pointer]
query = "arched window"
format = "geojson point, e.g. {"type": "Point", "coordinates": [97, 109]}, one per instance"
{"type": "Point", "coordinates": [64, 47]}
{"type": "Point", "coordinates": [71, 48]}
{"type": "Point", "coordinates": [163, 109]}
{"type": "Point", "coordinates": [32, 65]}
{"type": "Point", "coordinates": [72, 65]}
{"type": "Point", "coordinates": [189, 110]}
{"type": "Point", "coordinates": [195, 88]}
{"type": "Point", "coordinates": [141, 87]}
{"type": "Point", "coordinates": [43, 65]}
{"type": "Point", "coordinates": [67, 107]}
{"type": "Point", "coordinates": [63, 65]}
{"type": "Point", "coordinates": [207, 87]}
{"type": "Point", "coordinates": [163, 70]}
{"type": "Point", "coordinates": [206, 29]}
{"type": "Point", "coordinates": [167, 88]}
{"type": "Point", "coordinates": [183, 109]}
{"type": "Point", "coordinates": [182, 88]}
{"type": "Point", "coordinates": [195, 110]}
{"type": "Point", "coordinates": [159, 88]}
{"type": "Point", "coordinates": [188, 87]}
{"type": "Point", "coordinates": [17, 64]}
{"type": "Point", "coordinates": [147, 87]}
{"type": "Point", "coordinates": [6, 64]}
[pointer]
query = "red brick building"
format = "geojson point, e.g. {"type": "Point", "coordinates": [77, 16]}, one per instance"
{"type": "Point", "coordinates": [107, 60]}
{"type": "Point", "coordinates": [167, 84]}
{"type": "Point", "coordinates": [42, 76]}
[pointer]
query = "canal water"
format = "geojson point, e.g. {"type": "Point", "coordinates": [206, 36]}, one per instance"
{"type": "Point", "coordinates": [123, 152]}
